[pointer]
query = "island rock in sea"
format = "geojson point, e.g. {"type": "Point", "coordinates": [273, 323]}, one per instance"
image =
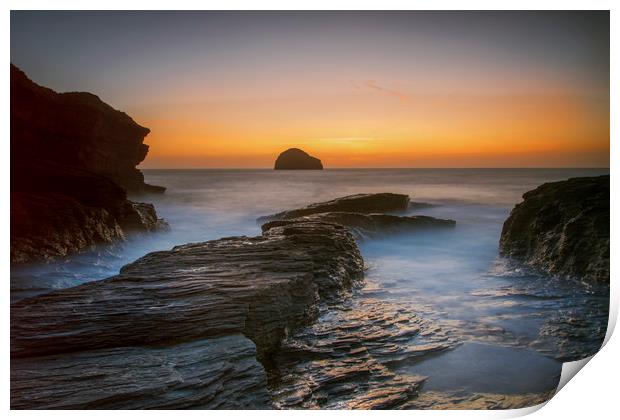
{"type": "Point", "coordinates": [562, 228]}
{"type": "Point", "coordinates": [297, 159]}
{"type": "Point", "coordinates": [73, 160]}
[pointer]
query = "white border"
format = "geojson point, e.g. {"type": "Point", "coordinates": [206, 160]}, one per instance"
{"type": "Point", "coordinates": [592, 395]}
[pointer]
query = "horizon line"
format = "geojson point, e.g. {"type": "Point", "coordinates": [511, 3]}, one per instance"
{"type": "Point", "coordinates": [381, 168]}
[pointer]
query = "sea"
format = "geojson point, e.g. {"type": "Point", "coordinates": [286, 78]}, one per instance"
{"type": "Point", "coordinates": [484, 324]}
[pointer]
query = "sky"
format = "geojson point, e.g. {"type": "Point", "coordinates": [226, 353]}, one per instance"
{"type": "Point", "coordinates": [355, 89]}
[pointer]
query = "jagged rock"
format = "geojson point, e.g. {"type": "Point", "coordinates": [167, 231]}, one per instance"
{"type": "Point", "coordinates": [562, 228]}
{"type": "Point", "coordinates": [46, 226]}
{"type": "Point", "coordinates": [358, 203]}
{"type": "Point", "coordinates": [141, 217]}
{"type": "Point", "coordinates": [374, 224]}
{"type": "Point", "coordinates": [297, 159]}
{"type": "Point", "coordinates": [263, 287]}
{"type": "Point", "coordinates": [72, 159]}
{"type": "Point", "coordinates": [349, 355]}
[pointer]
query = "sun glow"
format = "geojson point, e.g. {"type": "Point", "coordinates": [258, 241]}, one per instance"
{"type": "Point", "coordinates": [370, 131]}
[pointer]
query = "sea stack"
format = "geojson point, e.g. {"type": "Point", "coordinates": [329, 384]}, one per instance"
{"type": "Point", "coordinates": [297, 159]}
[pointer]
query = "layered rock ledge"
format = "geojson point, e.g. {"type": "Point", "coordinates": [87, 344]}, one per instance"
{"type": "Point", "coordinates": [562, 228]}
{"type": "Point", "coordinates": [370, 225]}
{"type": "Point", "coordinates": [357, 203]}
{"type": "Point", "coordinates": [193, 327]}
{"type": "Point", "coordinates": [362, 214]}
{"type": "Point", "coordinates": [73, 160]}
{"type": "Point", "coordinates": [193, 321]}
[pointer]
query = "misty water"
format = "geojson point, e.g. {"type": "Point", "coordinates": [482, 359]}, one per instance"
{"type": "Point", "coordinates": [441, 305]}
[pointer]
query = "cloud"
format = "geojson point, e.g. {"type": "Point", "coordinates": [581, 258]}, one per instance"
{"type": "Point", "coordinates": [355, 84]}
{"type": "Point", "coordinates": [372, 84]}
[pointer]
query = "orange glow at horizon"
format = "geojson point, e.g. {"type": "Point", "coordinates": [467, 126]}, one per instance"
{"type": "Point", "coordinates": [381, 129]}
{"type": "Point", "coordinates": [233, 89]}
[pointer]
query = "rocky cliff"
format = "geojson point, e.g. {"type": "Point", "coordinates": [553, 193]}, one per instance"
{"type": "Point", "coordinates": [297, 159]}
{"type": "Point", "coordinates": [73, 160]}
{"type": "Point", "coordinates": [562, 228]}
{"type": "Point", "coordinates": [76, 130]}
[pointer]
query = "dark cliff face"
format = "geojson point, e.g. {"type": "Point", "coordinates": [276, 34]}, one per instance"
{"type": "Point", "coordinates": [562, 228]}
{"type": "Point", "coordinates": [73, 159]}
{"type": "Point", "coordinates": [297, 159]}
{"type": "Point", "coordinates": [75, 129]}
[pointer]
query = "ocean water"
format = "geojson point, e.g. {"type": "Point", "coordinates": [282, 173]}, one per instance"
{"type": "Point", "coordinates": [482, 324]}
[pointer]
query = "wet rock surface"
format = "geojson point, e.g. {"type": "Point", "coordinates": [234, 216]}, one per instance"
{"type": "Point", "coordinates": [293, 300]}
{"type": "Point", "coordinates": [171, 306]}
{"type": "Point", "coordinates": [50, 221]}
{"type": "Point", "coordinates": [141, 217]}
{"type": "Point", "coordinates": [477, 401]}
{"type": "Point", "coordinates": [364, 353]}
{"type": "Point", "coordinates": [73, 159]}
{"type": "Point", "coordinates": [562, 228]}
{"type": "Point", "coordinates": [297, 159]}
{"type": "Point", "coordinates": [163, 305]}
{"type": "Point", "coordinates": [357, 203]}
{"type": "Point", "coordinates": [346, 359]}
